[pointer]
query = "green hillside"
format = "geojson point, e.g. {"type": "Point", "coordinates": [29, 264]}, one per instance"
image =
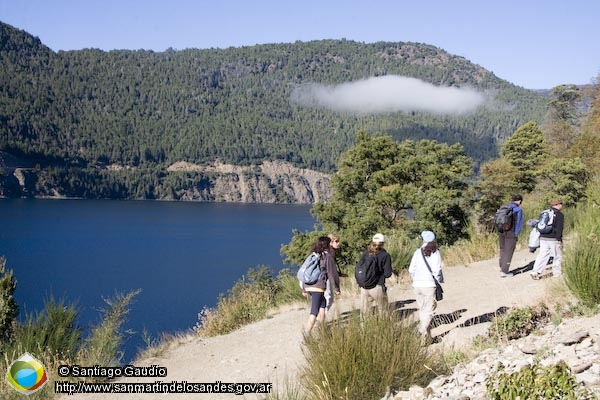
{"type": "Point", "coordinates": [74, 112]}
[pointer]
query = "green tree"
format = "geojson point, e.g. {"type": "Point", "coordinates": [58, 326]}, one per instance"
{"type": "Point", "coordinates": [568, 179]}
{"type": "Point", "coordinates": [563, 117]}
{"type": "Point", "coordinates": [382, 185]}
{"type": "Point", "coordinates": [526, 149]}
{"type": "Point", "coordinates": [498, 181]}
{"type": "Point", "coordinates": [587, 145]}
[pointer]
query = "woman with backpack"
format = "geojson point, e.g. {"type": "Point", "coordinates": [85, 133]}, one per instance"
{"type": "Point", "coordinates": [317, 290]}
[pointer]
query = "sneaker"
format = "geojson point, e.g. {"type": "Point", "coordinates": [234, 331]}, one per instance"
{"type": "Point", "coordinates": [535, 276]}
{"type": "Point", "coordinates": [507, 275]}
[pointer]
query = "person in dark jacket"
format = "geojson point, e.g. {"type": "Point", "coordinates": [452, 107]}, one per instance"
{"type": "Point", "coordinates": [508, 239]}
{"type": "Point", "coordinates": [378, 293]}
{"type": "Point", "coordinates": [551, 244]}
{"type": "Point", "coordinates": [317, 291]}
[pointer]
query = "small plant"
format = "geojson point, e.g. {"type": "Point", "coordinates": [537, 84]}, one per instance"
{"type": "Point", "coordinates": [535, 382]}
{"type": "Point", "coordinates": [481, 342]}
{"type": "Point", "coordinates": [518, 322]}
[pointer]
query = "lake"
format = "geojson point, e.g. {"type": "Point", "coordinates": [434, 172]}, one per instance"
{"type": "Point", "coordinates": [181, 254]}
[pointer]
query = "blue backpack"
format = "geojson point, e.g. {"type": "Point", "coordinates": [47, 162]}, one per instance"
{"type": "Point", "coordinates": [310, 271]}
{"type": "Point", "coordinates": [546, 221]}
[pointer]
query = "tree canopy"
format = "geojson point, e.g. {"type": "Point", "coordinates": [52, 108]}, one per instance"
{"type": "Point", "coordinates": [406, 187]}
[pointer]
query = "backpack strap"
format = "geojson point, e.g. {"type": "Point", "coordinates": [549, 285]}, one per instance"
{"type": "Point", "coordinates": [429, 268]}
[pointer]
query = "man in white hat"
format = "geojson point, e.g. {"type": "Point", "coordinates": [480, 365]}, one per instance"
{"type": "Point", "coordinates": [378, 259]}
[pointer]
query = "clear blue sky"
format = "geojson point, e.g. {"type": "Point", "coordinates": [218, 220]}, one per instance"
{"type": "Point", "coordinates": [534, 44]}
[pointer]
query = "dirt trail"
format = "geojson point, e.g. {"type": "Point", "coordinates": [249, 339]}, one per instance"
{"type": "Point", "coordinates": [270, 350]}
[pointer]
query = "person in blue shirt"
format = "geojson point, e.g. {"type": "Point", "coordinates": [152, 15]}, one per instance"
{"type": "Point", "coordinates": [508, 239]}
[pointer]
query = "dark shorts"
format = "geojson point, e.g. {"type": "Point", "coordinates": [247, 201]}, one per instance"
{"type": "Point", "coordinates": [318, 301]}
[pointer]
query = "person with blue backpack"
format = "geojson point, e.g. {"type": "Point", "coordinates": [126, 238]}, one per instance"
{"type": "Point", "coordinates": [508, 232]}
{"type": "Point", "coordinates": [316, 290]}
{"type": "Point", "coordinates": [551, 240]}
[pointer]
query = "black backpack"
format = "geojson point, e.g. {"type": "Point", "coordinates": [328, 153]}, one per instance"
{"type": "Point", "coordinates": [504, 218]}
{"type": "Point", "coordinates": [367, 272]}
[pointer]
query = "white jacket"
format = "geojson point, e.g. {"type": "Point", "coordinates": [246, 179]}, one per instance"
{"type": "Point", "coordinates": [421, 277]}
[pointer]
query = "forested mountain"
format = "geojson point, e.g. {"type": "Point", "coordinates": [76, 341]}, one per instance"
{"type": "Point", "coordinates": [75, 113]}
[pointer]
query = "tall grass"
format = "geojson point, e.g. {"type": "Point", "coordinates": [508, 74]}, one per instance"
{"type": "Point", "coordinates": [400, 249]}
{"type": "Point", "coordinates": [365, 358]}
{"type": "Point", "coordinates": [53, 331]}
{"type": "Point", "coordinates": [581, 266]}
{"type": "Point", "coordinates": [53, 338]}
{"type": "Point", "coordinates": [480, 246]}
{"type": "Point", "coordinates": [249, 300]}
{"type": "Point", "coordinates": [102, 346]}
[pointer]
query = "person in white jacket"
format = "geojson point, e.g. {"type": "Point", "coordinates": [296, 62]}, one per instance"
{"type": "Point", "coordinates": [422, 280]}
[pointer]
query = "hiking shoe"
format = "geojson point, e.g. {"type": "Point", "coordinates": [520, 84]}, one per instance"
{"type": "Point", "coordinates": [507, 275]}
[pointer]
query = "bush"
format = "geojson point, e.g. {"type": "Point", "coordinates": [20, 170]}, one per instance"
{"type": "Point", "coordinates": [364, 358]}
{"type": "Point", "coordinates": [8, 306]}
{"type": "Point", "coordinates": [534, 382]}
{"type": "Point", "coordinates": [249, 300]}
{"type": "Point", "coordinates": [518, 322]}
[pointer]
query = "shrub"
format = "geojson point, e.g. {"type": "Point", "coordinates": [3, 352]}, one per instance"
{"type": "Point", "coordinates": [364, 358]}
{"type": "Point", "coordinates": [534, 382]}
{"type": "Point", "coordinates": [249, 300]}
{"type": "Point", "coordinates": [518, 322]}
{"type": "Point", "coordinates": [287, 289]}
{"type": "Point", "coordinates": [8, 306]}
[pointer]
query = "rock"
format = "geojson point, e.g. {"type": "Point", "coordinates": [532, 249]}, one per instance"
{"type": "Point", "coordinates": [573, 337]}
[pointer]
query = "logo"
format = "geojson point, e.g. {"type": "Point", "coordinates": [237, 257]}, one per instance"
{"type": "Point", "coordinates": [26, 374]}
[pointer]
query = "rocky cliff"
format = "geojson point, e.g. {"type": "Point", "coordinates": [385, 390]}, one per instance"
{"type": "Point", "coordinates": [269, 182]}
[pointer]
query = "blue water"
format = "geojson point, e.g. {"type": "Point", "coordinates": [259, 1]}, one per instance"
{"type": "Point", "coordinates": [181, 254]}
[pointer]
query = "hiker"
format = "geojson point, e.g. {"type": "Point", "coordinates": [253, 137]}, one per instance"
{"type": "Point", "coordinates": [317, 290]}
{"type": "Point", "coordinates": [551, 244]}
{"type": "Point", "coordinates": [508, 238]}
{"type": "Point", "coordinates": [423, 280]}
{"type": "Point", "coordinates": [333, 246]}
{"type": "Point", "coordinates": [382, 269]}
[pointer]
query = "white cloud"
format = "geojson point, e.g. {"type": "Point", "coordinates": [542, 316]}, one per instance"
{"type": "Point", "coordinates": [391, 93]}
